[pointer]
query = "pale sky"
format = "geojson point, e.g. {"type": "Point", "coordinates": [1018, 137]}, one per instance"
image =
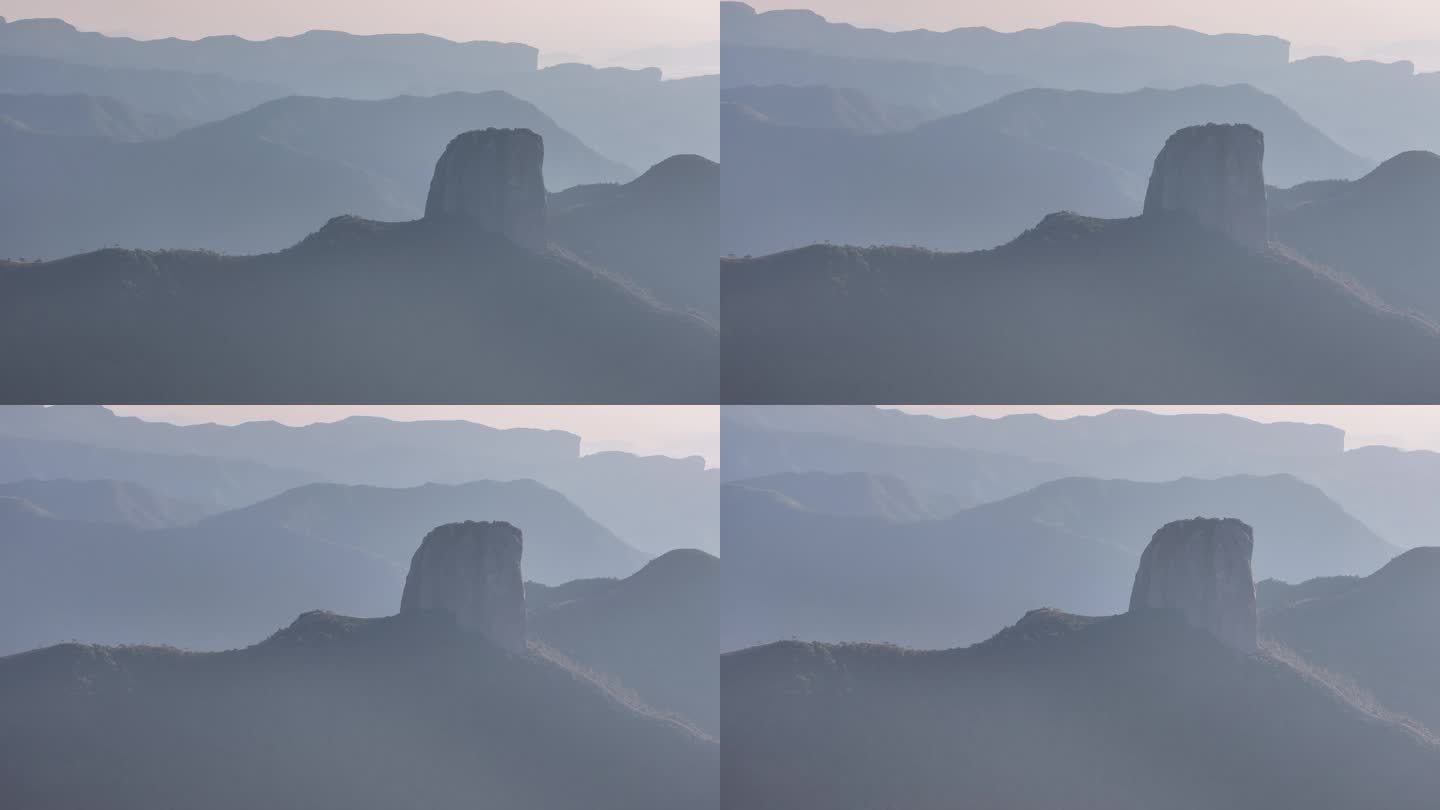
{"type": "Point", "coordinates": [668, 430]}
{"type": "Point", "coordinates": [1350, 28]}
{"type": "Point", "coordinates": [581, 27]}
{"type": "Point", "coordinates": [1409, 427]}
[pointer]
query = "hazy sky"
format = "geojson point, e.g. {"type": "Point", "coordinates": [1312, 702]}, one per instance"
{"type": "Point", "coordinates": [1411, 427]}
{"type": "Point", "coordinates": [670, 430]}
{"type": "Point", "coordinates": [574, 26]}
{"type": "Point", "coordinates": [1348, 27]}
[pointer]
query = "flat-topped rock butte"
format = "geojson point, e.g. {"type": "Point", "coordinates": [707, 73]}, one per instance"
{"type": "Point", "coordinates": [1201, 567]}
{"type": "Point", "coordinates": [471, 570]}
{"type": "Point", "coordinates": [1214, 173]}
{"type": "Point", "coordinates": [492, 179]}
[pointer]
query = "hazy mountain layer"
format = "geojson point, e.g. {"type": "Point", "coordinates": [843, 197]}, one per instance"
{"type": "Point", "coordinates": [177, 94]}
{"type": "Point", "coordinates": [561, 542]}
{"type": "Point", "coordinates": [100, 501]}
{"type": "Point", "coordinates": [84, 115]}
{"type": "Point", "coordinates": [821, 107]}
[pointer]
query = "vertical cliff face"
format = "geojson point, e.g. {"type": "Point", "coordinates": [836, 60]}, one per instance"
{"type": "Point", "coordinates": [492, 179]}
{"type": "Point", "coordinates": [1214, 173]}
{"type": "Point", "coordinates": [472, 571]}
{"type": "Point", "coordinates": [1201, 567]}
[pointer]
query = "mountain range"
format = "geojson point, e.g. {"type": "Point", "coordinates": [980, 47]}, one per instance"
{"type": "Point", "coordinates": [442, 702]}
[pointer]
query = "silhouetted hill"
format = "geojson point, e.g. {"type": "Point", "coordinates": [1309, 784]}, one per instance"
{"type": "Point", "coordinates": [337, 712]}
{"type": "Point", "coordinates": [656, 631]}
{"type": "Point", "coordinates": [1076, 310]}
{"type": "Point", "coordinates": [451, 314]}
{"type": "Point", "coordinates": [102, 501]}
{"type": "Point", "coordinates": [1127, 129]}
{"type": "Point", "coordinates": [76, 114]}
{"type": "Point", "coordinates": [211, 483]}
{"type": "Point", "coordinates": [859, 494]}
{"type": "Point", "coordinates": [957, 187]}
{"type": "Point", "coordinates": [561, 542]}
{"type": "Point", "coordinates": [1379, 229]}
{"type": "Point", "coordinates": [659, 231]}
{"type": "Point", "coordinates": [790, 572]}
{"type": "Point", "coordinates": [181, 95]}
{"type": "Point", "coordinates": [1306, 534]}
{"type": "Point", "coordinates": [960, 476]}
{"type": "Point", "coordinates": [929, 89]}
{"type": "Point", "coordinates": [1060, 712]}
{"type": "Point", "coordinates": [324, 63]}
{"type": "Point", "coordinates": [1376, 631]}
{"type": "Point", "coordinates": [205, 588]}
{"type": "Point", "coordinates": [821, 107]}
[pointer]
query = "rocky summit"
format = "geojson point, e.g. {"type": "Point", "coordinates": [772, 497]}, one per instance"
{"type": "Point", "coordinates": [1201, 567]}
{"type": "Point", "coordinates": [1214, 174]}
{"type": "Point", "coordinates": [471, 570]}
{"type": "Point", "coordinates": [491, 178]}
